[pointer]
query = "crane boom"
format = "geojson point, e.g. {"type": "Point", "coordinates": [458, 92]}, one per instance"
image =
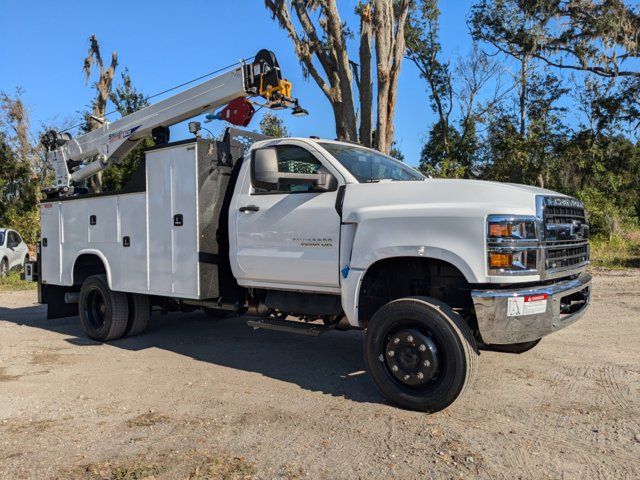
{"type": "Point", "coordinates": [76, 159]}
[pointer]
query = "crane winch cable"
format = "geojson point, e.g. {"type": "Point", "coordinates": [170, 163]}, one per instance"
{"type": "Point", "coordinates": [184, 84]}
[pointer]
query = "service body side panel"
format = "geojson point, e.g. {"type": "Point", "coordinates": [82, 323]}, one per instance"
{"type": "Point", "coordinates": [50, 226]}
{"type": "Point", "coordinates": [150, 241]}
{"type": "Point", "coordinates": [131, 274]}
{"type": "Point", "coordinates": [173, 227]}
{"type": "Point", "coordinates": [159, 221]}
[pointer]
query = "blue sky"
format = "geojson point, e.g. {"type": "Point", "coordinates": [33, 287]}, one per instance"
{"type": "Point", "coordinates": [163, 43]}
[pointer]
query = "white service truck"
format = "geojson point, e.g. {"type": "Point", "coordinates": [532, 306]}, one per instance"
{"type": "Point", "coordinates": [308, 235]}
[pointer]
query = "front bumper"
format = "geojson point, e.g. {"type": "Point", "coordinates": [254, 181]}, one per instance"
{"type": "Point", "coordinates": [525, 314]}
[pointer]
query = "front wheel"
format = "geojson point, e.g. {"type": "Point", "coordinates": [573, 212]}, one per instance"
{"type": "Point", "coordinates": [4, 268]}
{"type": "Point", "coordinates": [420, 353]}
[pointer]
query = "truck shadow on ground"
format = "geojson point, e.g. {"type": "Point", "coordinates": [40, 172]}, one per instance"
{"type": "Point", "coordinates": [331, 363]}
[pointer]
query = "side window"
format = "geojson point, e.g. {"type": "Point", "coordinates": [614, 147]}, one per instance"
{"type": "Point", "coordinates": [17, 237]}
{"type": "Point", "coordinates": [12, 238]}
{"type": "Point", "coordinates": [293, 159]}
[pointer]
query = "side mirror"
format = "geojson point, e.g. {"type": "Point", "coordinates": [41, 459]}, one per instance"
{"type": "Point", "coordinates": [264, 168]}
{"type": "Point", "coordinates": [265, 174]}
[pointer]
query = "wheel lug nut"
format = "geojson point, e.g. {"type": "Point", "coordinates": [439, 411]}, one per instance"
{"type": "Point", "coordinates": [409, 338]}
{"type": "Point", "coordinates": [420, 375]}
{"type": "Point", "coordinates": [406, 377]}
{"type": "Point", "coordinates": [391, 353]}
{"type": "Point", "coordinates": [426, 363]}
{"type": "Point", "coordinates": [422, 348]}
{"type": "Point", "coordinates": [394, 368]}
{"type": "Point", "coordinates": [396, 340]}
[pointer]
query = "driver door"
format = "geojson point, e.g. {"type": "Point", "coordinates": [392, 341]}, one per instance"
{"type": "Point", "coordinates": [291, 235]}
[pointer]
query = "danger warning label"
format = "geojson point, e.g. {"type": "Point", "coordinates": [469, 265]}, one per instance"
{"type": "Point", "coordinates": [527, 305]}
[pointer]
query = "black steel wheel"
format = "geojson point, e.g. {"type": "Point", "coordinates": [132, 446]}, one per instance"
{"type": "Point", "coordinates": [103, 312]}
{"type": "Point", "coordinates": [420, 353]}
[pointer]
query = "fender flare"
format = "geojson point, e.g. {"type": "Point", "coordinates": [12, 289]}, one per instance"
{"type": "Point", "coordinates": [351, 285]}
{"type": "Point", "coordinates": [100, 255]}
{"type": "Point", "coordinates": [422, 251]}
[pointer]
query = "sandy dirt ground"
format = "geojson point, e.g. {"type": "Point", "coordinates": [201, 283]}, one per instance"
{"type": "Point", "coordinates": [198, 398]}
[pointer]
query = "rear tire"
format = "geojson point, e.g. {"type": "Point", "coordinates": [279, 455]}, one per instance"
{"type": "Point", "coordinates": [139, 312]}
{"type": "Point", "coordinates": [420, 353]}
{"type": "Point", "coordinates": [103, 312]}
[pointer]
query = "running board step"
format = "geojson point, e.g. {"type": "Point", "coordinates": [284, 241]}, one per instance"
{"type": "Point", "coordinates": [311, 329]}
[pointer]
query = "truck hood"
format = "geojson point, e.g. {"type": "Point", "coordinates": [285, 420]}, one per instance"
{"type": "Point", "coordinates": [433, 196]}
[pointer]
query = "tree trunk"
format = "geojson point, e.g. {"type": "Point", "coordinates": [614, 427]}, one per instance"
{"type": "Point", "coordinates": [523, 95]}
{"type": "Point", "coordinates": [382, 19]}
{"type": "Point", "coordinates": [335, 76]}
{"type": "Point", "coordinates": [365, 85]}
{"type": "Point", "coordinates": [398, 53]}
{"type": "Point", "coordinates": [103, 90]}
{"type": "Point", "coordinates": [390, 50]}
{"type": "Point", "coordinates": [336, 43]}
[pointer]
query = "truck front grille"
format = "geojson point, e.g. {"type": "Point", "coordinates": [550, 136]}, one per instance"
{"type": "Point", "coordinates": [565, 256]}
{"type": "Point", "coordinates": [566, 233]}
{"type": "Point", "coordinates": [559, 215]}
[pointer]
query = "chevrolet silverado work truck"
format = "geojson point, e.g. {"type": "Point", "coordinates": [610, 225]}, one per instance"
{"type": "Point", "coordinates": [309, 235]}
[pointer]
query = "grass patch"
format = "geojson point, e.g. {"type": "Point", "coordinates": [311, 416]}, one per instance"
{"type": "Point", "coordinates": [12, 282]}
{"type": "Point", "coordinates": [621, 251]}
{"type": "Point", "coordinates": [124, 470]}
{"type": "Point", "coordinates": [224, 467]}
{"type": "Point", "coordinates": [148, 419]}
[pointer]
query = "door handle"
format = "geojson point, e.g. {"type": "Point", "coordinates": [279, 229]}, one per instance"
{"type": "Point", "coordinates": [249, 208]}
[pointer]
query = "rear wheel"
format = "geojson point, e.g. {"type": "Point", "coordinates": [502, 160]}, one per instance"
{"type": "Point", "coordinates": [4, 268]}
{"type": "Point", "coordinates": [420, 353]}
{"type": "Point", "coordinates": [25, 260]}
{"type": "Point", "coordinates": [139, 311]}
{"type": "Point", "coordinates": [103, 312]}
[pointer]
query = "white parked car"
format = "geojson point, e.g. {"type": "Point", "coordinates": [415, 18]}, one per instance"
{"type": "Point", "coordinates": [13, 251]}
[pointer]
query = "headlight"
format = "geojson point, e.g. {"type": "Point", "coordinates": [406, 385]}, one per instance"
{"type": "Point", "coordinates": [500, 227]}
{"type": "Point", "coordinates": [512, 245]}
{"type": "Point", "coordinates": [512, 261]}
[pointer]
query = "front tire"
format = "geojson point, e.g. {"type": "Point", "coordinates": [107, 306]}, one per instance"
{"type": "Point", "coordinates": [4, 268]}
{"type": "Point", "coordinates": [420, 353]}
{"type": "Point", "coordinates": [103, 312]}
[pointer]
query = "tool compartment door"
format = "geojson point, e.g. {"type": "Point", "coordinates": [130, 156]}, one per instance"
{"type": "Point", "coordinates": [50, 246]}
{"type": "Point", "coordinates": [171, 211]}
{"type": "Point", "coordinates": [132, 244]}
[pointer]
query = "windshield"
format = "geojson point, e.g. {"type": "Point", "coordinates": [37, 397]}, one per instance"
{"type": "Point", "coordinates": [370, 166]}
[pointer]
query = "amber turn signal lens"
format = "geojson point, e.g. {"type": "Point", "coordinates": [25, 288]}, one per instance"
{"type": "Point", "coordinates": [500, 260]}
{"type": "Point", "coordinates": [499, 230]}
